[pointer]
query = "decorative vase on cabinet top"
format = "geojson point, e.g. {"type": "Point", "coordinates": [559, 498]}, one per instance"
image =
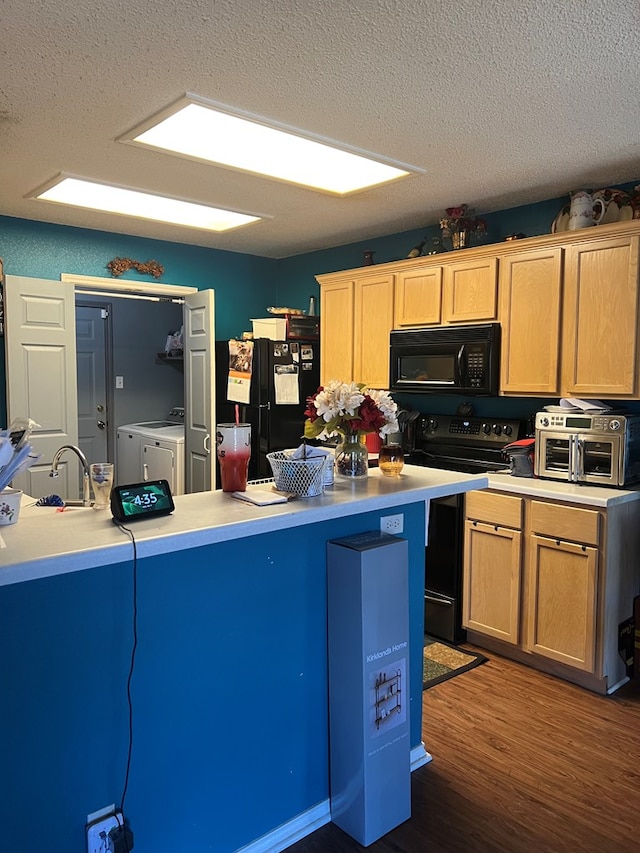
{"type": "Point", "coordinates": [584, 210]}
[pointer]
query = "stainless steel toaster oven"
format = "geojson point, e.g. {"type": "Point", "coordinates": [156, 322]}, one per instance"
{"type": "Point", "coordinates": [602, 449]}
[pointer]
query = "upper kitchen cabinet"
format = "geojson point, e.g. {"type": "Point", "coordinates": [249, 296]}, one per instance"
{"type": "Point", "coordinates": [471, 290]}
{"type": "Point", "coordinates": [418, 296]}
{"type": "Point", "coordinates": [567, 304]}
{"type": "Point", "coordinates": [372, 326]}
{"type": "Point", "coordinates": [569, 314]}
{"type": "Point", "coordinates": [435, 292]}
{"type": "Point", "coordinates": [336, 329]}
{"type": "Point", "coordinates": [600, 334]}
{"type": "Point", "coordinates": [357, 317]}
{"type": "Point", "coordinates": [530, 313]}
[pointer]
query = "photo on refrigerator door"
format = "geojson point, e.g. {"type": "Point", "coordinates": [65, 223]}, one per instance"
{"type": "Point", "coordinates": [388, 692]}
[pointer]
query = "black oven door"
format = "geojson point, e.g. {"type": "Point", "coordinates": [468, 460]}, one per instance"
{"type": "Point", "coordinates": [443, 570]}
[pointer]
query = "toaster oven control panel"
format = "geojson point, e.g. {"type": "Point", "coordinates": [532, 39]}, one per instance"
{"type": "Point", "coordinates": [582, 423]}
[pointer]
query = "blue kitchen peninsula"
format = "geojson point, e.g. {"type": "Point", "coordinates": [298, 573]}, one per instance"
{"type": "Point", "coordinates": [229, 688]}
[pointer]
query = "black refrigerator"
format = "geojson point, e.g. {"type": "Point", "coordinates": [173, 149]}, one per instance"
{"type": "Point", "coordinates": [275, 425]}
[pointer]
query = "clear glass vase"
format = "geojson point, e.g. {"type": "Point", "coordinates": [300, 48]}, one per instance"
{"type": "Point", "coordinates": [352, 456]}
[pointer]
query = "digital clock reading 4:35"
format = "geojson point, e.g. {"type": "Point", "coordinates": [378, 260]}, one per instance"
{"type": "Point", "coordinates": [141, 500]}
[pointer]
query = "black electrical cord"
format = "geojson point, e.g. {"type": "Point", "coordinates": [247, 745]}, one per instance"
{"type": "Point", "coordinates": [131, 667]}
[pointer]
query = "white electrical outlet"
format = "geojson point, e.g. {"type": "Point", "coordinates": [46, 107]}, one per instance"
{"type": "Point", "coordinates": [98, 832]}
{"type": "Point", "coordinates": [393, 524]}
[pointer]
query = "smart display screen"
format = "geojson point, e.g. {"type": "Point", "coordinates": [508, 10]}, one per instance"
{"type": "Point", "coordinates": [141, 500]}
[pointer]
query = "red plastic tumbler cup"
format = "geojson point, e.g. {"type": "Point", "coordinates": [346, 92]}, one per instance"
{"type": "Point", "coordinates": [234, 451]}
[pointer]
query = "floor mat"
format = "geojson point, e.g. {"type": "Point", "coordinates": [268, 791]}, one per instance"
{"type": "Point", "coordinates": [441, 661]}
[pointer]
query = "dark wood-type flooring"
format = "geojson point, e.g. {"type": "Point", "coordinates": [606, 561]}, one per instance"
{"type": "Point", "coordinates": [522, 763]}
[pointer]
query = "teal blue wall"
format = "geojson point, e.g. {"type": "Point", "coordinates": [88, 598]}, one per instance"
{"type": "Point", "coordinates": [296, 280]}
{"type": "Point", "coordinates": [243, 283]}
{"type": "Point", "coordinates": [246, 285]}
{"type": "Point", "coordinates": [229, 692]}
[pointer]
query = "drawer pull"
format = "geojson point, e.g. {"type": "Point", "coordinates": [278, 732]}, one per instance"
{"type": "Point", "coordinates": [558, 541]}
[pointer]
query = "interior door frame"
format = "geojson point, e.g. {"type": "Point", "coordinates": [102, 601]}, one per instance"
{"type": "Point", "coordinates": [99, 286]}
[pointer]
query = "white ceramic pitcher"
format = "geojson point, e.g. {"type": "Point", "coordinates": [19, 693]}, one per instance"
{"type": "Point", "coordinates": [584, 210]}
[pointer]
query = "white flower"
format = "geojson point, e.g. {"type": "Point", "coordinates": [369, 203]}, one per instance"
{"type": "Point", "coordinates": [338, 399]}
{"type": "Point", "coordinates": [388, 407]}
{"type": "Point", "coordinates": [339, 409]}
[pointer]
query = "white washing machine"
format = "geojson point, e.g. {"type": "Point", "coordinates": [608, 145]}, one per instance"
{"type": "Point", "coordinates": [151, 450]}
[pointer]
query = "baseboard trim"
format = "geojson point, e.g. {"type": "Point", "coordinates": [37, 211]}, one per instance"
{"type": "Point", "coordinates": [420, 757]}
{"type": "Point", "coordinates": [293, 830]}
{"type": "Point", "coordinates": [304, 824]}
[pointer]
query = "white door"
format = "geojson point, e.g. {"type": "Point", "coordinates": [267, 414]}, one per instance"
{"type": "Point", "coordinates": [40, 349]}
{"type": "Point", "coordinates": [199, 391]}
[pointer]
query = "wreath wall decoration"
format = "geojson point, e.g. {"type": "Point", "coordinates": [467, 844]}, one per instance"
{"type": "Point", "coordinates": [121, 265]}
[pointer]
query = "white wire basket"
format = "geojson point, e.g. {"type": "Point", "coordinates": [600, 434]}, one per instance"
{"type": "Point", "coordinates": [302, 477]}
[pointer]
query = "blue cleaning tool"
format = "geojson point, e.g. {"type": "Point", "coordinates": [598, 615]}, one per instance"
{"type": "Point", "coordinates": [50, 500]}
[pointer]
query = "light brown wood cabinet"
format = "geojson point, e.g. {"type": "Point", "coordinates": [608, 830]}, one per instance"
{"type": "Point", "coordinates": [492, 574]}
{"type": "Point", "coordinates": [418, 296]}
{"type": "Point", "coordinates": [600, 330]}
{"type": "Point", "coordinates": [530, 314]}
{"type": "Point", "coordinates": [567, 303]}
{"type": "Point", "coordinates": [433, 292]}
{"type": "Point", "coordinates": [561, 583]}
{"type": "Point", "coordinates": [548, 583]}
{"type": "Point", "coordinates": [569, 317]}
{"type": "Point", "coordinates": [471, 290]}
{"type": "Point", "coordinates": [356, 319]}
{"type": "Point", "coordinates": [336, 330]}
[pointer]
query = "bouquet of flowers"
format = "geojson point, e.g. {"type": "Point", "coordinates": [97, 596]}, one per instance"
{"type": "Point", "coordinates": [460, 224]}
{"type": "Point", "coordinates": [350, 409]}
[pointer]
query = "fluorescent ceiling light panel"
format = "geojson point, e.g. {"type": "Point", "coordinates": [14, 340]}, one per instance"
{"type": "Point", "coordinates": [81, 192]}
{"type": "Point", "coordinates": [213, 133]}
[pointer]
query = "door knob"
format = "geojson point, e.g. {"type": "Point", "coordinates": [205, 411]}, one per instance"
{"type": "Point", "coordinates": [101, 424]}
{"type": "Point", "coordinates": [100, 407]}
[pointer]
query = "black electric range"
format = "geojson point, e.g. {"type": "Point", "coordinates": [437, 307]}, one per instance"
{"type": "Point", "coordinates": [471, 446]}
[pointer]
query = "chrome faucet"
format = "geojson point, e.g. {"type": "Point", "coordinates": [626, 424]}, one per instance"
{"type": "Point", "coordinates": [86, 479]}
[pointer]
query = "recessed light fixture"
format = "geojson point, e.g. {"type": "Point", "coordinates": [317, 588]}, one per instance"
{"type": "Point", "coordinates": [82, 192]}
{"type": "Point", "coordinates": [204, 130]}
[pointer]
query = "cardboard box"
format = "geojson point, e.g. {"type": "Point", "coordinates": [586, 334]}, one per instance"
{"type": "Point", "coordinates": [368, 634]}
{"type": "Point", "coordinates": [274, 328]}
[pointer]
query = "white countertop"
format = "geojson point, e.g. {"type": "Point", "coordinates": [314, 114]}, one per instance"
{"type": "Point", "coordinates": [46, 542]}
{"type": "Point", "coordinates": [600, 496]}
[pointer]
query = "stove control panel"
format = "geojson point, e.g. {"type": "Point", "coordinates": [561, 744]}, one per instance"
{"type": "Point", "coordinates": [495, 432]}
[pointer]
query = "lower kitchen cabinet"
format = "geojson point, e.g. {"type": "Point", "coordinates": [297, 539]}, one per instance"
{"type": "Point", "coordinates": [549, 583]}
{"type": "Point", "coordinates": [492, 574]}
{"type": "Point", "coordinates": [561, 569]}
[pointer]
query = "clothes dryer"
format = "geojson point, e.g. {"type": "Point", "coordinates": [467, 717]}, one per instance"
{"type": "Point", "coordinates": [151, 450]}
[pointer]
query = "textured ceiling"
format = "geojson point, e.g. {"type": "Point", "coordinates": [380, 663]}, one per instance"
{"type": "Point", "coordinates": [502, 103]}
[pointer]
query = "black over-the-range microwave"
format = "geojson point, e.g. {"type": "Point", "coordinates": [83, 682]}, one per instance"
{"type": "Point", "coordinates": [446, 360]}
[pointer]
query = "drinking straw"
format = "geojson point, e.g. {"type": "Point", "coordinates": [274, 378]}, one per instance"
{"type": "Point", "coordinates": [237, 415]}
